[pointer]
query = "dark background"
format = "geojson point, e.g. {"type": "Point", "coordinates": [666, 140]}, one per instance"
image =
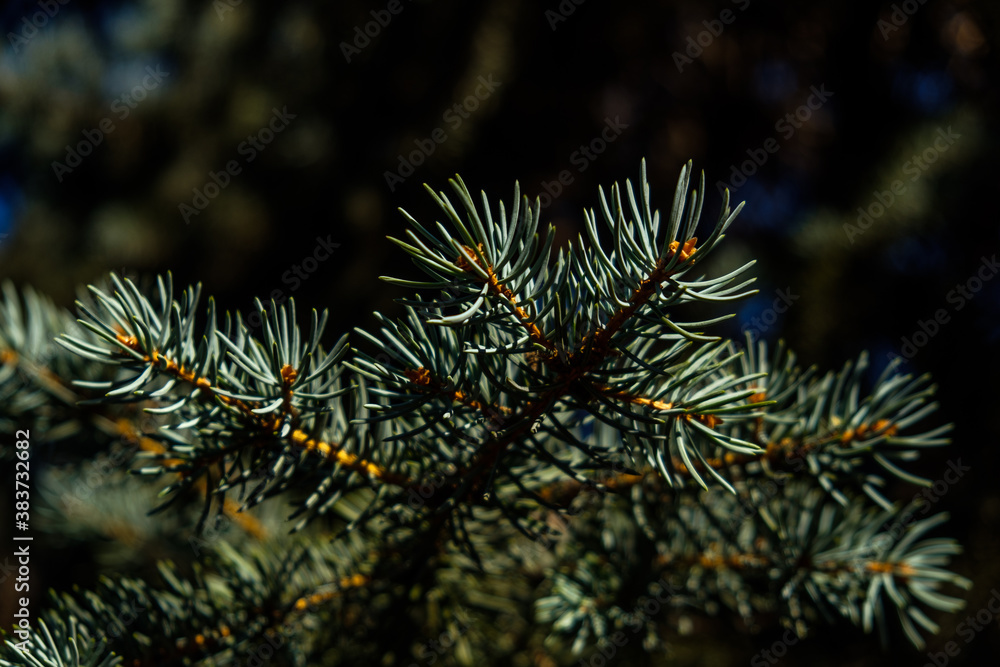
{"type": "Point", "coordinates": [893, 87]}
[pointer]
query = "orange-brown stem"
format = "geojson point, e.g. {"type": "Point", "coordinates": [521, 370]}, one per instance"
{"type": "Point", "coordinates": [297, 437]}
{"type": "Point", "coordinates": [499, 289]}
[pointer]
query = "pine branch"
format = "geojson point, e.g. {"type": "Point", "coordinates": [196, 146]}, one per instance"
{"type": "Point", "coordinates": [540, 433]}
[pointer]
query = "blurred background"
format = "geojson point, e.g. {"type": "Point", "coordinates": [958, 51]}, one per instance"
{"type": "Point", "coordinates": [263, 149]}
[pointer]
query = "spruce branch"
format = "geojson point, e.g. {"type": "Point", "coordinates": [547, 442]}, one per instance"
{"type": "Point", "coordinates": [541, 434]}
{"type": "Point", "coordinates": [523, 329]}
{"type": "Point", "coordinates": [237, 404]}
